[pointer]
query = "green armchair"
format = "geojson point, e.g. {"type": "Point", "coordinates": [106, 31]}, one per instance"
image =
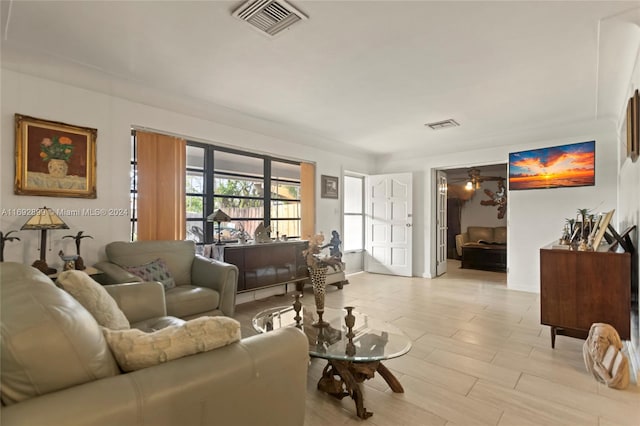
{"type": "Point", "coordinates": [203, 286]}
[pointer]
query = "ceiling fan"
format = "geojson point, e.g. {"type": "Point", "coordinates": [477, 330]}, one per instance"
{"type": "Point", "coordinates": [475, 179]}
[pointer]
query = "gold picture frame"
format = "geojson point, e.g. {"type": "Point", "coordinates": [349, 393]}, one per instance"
{"type": "Point", "coordinates": [633, 126]}
{"type": "Point", "coordinates": [54, 159]}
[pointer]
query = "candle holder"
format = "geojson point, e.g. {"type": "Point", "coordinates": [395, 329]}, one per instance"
{"type": "Point", "coordinates": [297, 307]}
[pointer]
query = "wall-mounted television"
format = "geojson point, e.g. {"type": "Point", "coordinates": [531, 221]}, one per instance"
{"type": "Point", "coordinates": [555, 167]}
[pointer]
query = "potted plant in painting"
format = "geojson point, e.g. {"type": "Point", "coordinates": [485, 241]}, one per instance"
{"type": "Point", "coordinates": [57, 150]}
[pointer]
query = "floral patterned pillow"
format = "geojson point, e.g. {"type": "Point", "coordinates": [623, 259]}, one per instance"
{"type": "Point", "coordinates": [156, 270]}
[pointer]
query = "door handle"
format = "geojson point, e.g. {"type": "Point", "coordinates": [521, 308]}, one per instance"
{"type": "Point", "coordinates": [408, 225]}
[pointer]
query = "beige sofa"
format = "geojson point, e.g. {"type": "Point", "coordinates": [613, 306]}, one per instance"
{"type": "Point", "coordinates": [203, 286]}
{"type": "Point", "coordinates": [481, 235]}
{"type": "Point", "coordinates": [57, 368]}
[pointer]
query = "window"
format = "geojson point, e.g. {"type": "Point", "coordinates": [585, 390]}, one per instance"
{"type": "Point", "coordinates": [195, 184]}
{"type": "Point", "coordinates": [235, 182]}
{"type": "Point", "coordinates": [285, 199]}
{"type": "Point", "coordinates": [353, 213]}
{"type": "Point", "coordinates": [133, 189]}
{"type": "Point", "coordinates": [238, 190]}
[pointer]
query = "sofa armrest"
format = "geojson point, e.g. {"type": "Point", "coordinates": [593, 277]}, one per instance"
{"type": "Point", "coordinates": [139, 301]}
{"type": "Point", "coordinates": [114, 274]}
{"type": "Point", "coordinates": [461, 239]}
{"type": "Point", "coordinates": [270, 370]}
{"type": "Point", "coordinates": [219, 276]}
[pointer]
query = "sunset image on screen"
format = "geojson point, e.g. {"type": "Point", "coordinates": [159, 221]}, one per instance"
{"type": "Point", "coordinates": [559, 166]}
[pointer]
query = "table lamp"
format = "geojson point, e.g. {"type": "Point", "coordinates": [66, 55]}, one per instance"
{"type": "Point", "coordinates": [44, 219]}
{"type": "Point", "coordinates": [219, 216]}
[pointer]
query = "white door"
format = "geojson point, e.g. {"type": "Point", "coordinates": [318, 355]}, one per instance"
{"type": "Point", "coordinates": [389, 224]}
{"type": "Point", "coordinates": [441, 224]}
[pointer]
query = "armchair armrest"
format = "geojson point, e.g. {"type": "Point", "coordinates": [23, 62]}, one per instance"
{"type": "Point", "coordinates": [219, 276]}
{"type": "Point", "coordinates": [139, 301]}
{"type": "Point", "coordinates": [114, 274]}
{"type": "Point", "coordinates": [461, 239]}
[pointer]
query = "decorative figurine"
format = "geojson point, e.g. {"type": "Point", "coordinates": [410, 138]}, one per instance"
{"type": "Point", "coordinates": [498, 198]}
{"type": "Point", "coordinates": [79, 262]}
{"type": "Point", "coordinates": [261, 235]}
{"type": "Point", "coordinates": [334, 245]}
{"type": "Point", "coordinates": [69, 261]}
{"type": "Point", "coordinates": [4, 238]}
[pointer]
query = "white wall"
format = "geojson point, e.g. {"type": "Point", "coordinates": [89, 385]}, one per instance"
{"type": "Point", "coordinates": [113, 117]}
{"type": "Point", "coordinates": [628, 212]}
{"type": "Point", "coordinates": [475, 214]}
{"type": "Point", "coordinates": [535, 217]}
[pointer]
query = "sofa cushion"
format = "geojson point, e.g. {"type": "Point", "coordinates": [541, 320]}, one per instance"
{"type": "Point", "coordinates": [178, 256]}
{"type": "Point", "coordinates": [36, 315]}
{"type": "Point", "coordinates": [135, 349]}
{"type": "Point", "coordinates": [500, 234]}
{"type": "Point", "coordinates": [94, 298]}
{"type": "Point", "coordinates": [477, 233]}
{"type": "Point", "coordinates": [188, 300]}
{"type": "Point", "coordinates": [156, 270]}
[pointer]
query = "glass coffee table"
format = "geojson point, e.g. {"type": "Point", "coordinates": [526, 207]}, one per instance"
{"type": "Point", "coordinates": [353, 344]}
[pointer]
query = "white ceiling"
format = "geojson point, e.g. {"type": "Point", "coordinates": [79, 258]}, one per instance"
{"type": "Point", "coordinates": [368, 74]}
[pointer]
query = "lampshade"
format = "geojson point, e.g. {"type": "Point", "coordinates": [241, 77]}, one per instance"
{"type": "Point", "coordinates": [218, 216]}
{"type": "Point", "coordinates": [469, 186]}
{"type": "Point", "coordinates": [45, 218]}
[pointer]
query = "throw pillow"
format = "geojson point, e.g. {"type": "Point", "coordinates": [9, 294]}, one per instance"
{"type": "Point", "coordinates": [156, 270]}
{"type": "Point", "coordinates": [94, 298]}
{"type": "Point", "coordinates": [135, 349]}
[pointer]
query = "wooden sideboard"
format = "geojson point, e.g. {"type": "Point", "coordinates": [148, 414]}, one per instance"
{"type": "Point", "coordinates": [267, 264]}
{"type": "Point", "coordinates": [579, 288]}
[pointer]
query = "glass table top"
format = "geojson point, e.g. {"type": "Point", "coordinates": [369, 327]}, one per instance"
{"type": "Point", "coordinates": [367, 340]}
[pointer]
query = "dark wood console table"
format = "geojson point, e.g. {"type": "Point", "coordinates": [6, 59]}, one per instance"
{"type": "Point", "coordinates": [267, 264]}
{"type": "Point", "coordinates": [579, 288]}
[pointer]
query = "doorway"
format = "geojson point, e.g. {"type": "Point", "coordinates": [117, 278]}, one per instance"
{"type": "Point", "coordinates": [472, 200]}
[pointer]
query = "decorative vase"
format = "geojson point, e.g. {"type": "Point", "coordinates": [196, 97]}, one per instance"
{"type": "Point", "coordinates": [57, 168]}
{"type": "Point", "coordinates": [318, 280]}
{"type": "Point", "coordinates": [350, 321]}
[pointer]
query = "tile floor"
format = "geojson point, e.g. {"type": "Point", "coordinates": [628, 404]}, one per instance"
{"type": "Point", "coordinates": [479, 357]}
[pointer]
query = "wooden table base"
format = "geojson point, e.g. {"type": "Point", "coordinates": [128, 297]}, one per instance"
{"type": "Point", "coordinates": [343, 378]}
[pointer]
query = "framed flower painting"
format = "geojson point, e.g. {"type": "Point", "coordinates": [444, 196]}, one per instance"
{"type": "Point", "coordinates": [54, 159]}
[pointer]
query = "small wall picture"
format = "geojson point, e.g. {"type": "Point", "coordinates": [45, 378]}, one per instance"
{"type": "Point", "coordinates": [329, 185]}
{"type": "Point", "coordinates": [54, 159]}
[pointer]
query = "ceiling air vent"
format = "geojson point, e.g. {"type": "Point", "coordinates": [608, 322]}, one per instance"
{"type": "Point", "coordinates": [443, 124]}
{"type": "Point", "coordinates": [270, 17]}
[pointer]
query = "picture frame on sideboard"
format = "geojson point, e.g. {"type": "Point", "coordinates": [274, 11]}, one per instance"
{"type": "Point", "coordinates": [633, 126]}
{"type": "Point", "coordinates": [601, 228]}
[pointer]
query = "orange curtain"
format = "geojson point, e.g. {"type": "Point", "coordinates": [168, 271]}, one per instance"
{"type": "Point", "coordinates": [161, 187]}
{"type": "Point", "coordinates": [307, 200]}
